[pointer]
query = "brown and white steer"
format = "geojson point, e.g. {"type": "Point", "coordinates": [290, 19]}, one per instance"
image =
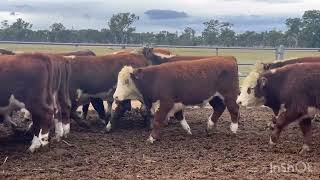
{"type": "Point", "coordinates": [263, 67]}
{"type": "Point", "coordinates": [61, 72]}
{"type": "Point", "coordinates": [96, 77]}
{"type": "Point", "coordinates": [27, 80]}
{"type": "Point", "coordinates": [168, 88]}
{"type": "Point", "coordinates": [292, 92]}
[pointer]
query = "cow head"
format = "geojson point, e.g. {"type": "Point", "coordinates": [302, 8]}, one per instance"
{"type": "Point", "coordinates": [126, 87]}
{"type": "Point", "coordinates": [250, 94]}
{"type": "Point", "coordinates": [147, 52]}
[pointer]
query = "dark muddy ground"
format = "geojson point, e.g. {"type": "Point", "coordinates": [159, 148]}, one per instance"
{"type": "Point", "coordinates": [124, 153]}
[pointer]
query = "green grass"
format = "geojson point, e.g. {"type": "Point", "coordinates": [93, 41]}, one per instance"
{"type": "Point", "coordinates": [243, 56]}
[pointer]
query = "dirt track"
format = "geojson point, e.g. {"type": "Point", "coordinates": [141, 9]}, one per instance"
{"type": "Point", "coordinates": [124, 154]}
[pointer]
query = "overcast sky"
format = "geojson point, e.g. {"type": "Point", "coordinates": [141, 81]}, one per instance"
{"type": "Point", "coordinates": [83, 14]}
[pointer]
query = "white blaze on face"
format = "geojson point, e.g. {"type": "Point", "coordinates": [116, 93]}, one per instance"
{"type": "Point", "coordinates": [126, 89]}
{"type": "Point", "coordinates": [247, 96]}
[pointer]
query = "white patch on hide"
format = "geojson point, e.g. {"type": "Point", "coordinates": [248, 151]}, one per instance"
{"type": "Point", "coordinates": [155, 107]}
{"type": "Point", "coordinates": [38, 141]}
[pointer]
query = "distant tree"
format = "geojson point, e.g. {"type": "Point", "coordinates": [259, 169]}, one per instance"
{"type": "Point", "coordinates": [187, 36]}
{"type": "Point", "coordinates": [120, 26]}
{"type": "Point", "coordinates": [227, 36]}
{"type": "Point", "coordinates": [311, 28]}
{"type": "Point", "coordinates": [21, 24]}
{"type": "Point", "coordinates": [211, 32]}
{"type": "Point", "coordinates": [4, 24]}
{"type": "Point", "coordinates": [56, 27]}
{"type": "Point", "coordinates": [293, 33]}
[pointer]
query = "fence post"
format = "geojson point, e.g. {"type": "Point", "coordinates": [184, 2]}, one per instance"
{"type": "Point", "coordinates": [217, 51]}
{"type": "Point", "coordinates": [280, 52]}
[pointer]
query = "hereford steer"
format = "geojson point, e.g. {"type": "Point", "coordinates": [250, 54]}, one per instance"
{"type": "Point", "coordinates": [27, 80]}
{"type": "Point", "coordinates": [292, 92]}
{"type": "Point", "coordinates": [96, 77]}
{"type": "Point", "coordinates": [263, 67]}
{"type": "Point", "coordinates": [167, 88]}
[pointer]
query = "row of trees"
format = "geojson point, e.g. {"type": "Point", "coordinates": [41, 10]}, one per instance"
{"type": "Point", "coordinates": [301, 32]}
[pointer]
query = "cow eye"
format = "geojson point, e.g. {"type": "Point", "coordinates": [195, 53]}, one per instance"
{"type": "Point", "coordinates": [126, 81]}
{"type": "Point", "coordinates": [249, 90]}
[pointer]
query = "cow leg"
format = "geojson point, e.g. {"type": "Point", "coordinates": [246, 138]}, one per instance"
{"type": "Point", "coordinates": [42, 120]}
{"type": "Point", "coordinates": [121, 108]}
{"type": "Point", "coordinates": [97, 104]}
{"type": "Point", "coordinates": [147, 116]}
{"type": "Point", "coordinates": [180, 117]}
{"type": "Point", "coordinates": [75, 116]}
{"type": "Point", "coordinates": [233, 109]}
{"type": "Point", "coordinates": [305, 126]}
{"type": "Point", "coordinates": [282, 121]}
{"type": "Point", "coordinates": [159, 119]}
{"type": "Point", "coordinates": [218, 108]}
{"type": "Point", "coordinates": [85, 109]}
{"type": "Point", "coordinates": [58, 123]}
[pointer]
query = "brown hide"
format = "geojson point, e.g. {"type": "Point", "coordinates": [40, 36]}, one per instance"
{"type": "Point", "coordinates": [297, 87]}
{"type": "Point", "coordinates": [29, 78]}
{"type": "Point", "coordinates": [99, 74]}
{"type": "Point", "coordinates": [189, 83]}
{"type": "Point", "coordinates": [79, 53]}
{"type": "Point", "coordinates": [278, 64]}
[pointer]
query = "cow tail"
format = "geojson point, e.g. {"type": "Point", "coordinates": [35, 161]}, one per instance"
{"type": "Point", "coordinates": [50, 82]}
{"type": "Point", "coordinates": [67, 83]}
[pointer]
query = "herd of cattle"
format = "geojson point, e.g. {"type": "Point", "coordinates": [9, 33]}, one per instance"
{"type": "Point", "coordinates": [49, 88]}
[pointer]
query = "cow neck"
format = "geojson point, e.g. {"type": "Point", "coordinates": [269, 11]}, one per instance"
{"type": "Point", "coordinates": [273, 89]}
{"type": "Point", "coordinates": [143, 90]}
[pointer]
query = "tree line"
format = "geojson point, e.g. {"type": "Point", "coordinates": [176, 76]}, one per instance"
{"type": "Point", "coordinates": [301, 32]}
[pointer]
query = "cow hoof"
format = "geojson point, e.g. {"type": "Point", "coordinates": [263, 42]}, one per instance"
{"type": "Point", "coordinates": [186, 126]}
{"type": "Point", "coordinates": [66, 129]}
{"type": "Point", "coordinates": [305, 149]}
{"type": "Point", "coordinates": [234, 127]}
{"type": "Point", "coordinates": [151, 140]}
{"type": "Point", "coordinates": [271, 142]}
{"type": "Point", "coordinates": [37, 142]}
{"type": "Point", "coordinates": [109, 127]}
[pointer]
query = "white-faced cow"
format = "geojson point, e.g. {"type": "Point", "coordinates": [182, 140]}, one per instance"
{"type": "Point", "coordinates": [292, 92]}
{"type": "Point", "coordinates": [168, 88]}
{"type": "Point", "coordinates": [27, 83]}
{"type": "Point", "coordinates": [260, 68]}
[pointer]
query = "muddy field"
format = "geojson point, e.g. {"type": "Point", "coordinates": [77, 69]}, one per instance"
{"type": "Point", "coordinates": [124, 153]}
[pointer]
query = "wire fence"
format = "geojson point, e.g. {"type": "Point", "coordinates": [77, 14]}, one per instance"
{"type": "Point", "coordinates": [278, 51]}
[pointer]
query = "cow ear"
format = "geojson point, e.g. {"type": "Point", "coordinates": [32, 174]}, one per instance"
{"type": "Point", "coordinates": [266, 66]}
{"type": "Point", "coordinates": [263, 82]}
{"type": "Point", "coordinates": [137, 74]}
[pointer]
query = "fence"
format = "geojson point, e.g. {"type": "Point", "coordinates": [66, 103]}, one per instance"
{"type": "Point", "coordinates": [278, 52]}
